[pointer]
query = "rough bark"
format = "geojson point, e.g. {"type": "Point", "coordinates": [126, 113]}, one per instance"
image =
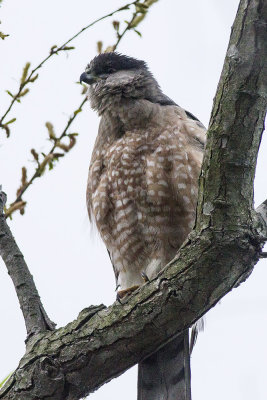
{"type": "Point", "coordinates": [220, 252]}
{"type": "Point", "coordinates": [35, 317]}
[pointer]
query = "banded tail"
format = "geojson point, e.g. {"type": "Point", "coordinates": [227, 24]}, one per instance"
{"type": "Point", "coordinates": [165, 375]}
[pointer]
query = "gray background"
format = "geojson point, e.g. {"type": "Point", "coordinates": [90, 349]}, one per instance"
{"type": "Point", "coordinates": [184, 44]}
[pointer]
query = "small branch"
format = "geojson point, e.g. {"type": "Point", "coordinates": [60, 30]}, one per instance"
{"type": "Point", "coordinates": [54, 50]}
{"type": "Point", "coordinates": [128, 28]}
{"type": "Point", "coordinates": [36, 319]}
{"type": "Point", "coordinates": [18, 203]}
{"type": "Point", "coordinates": [138, 15]}
{"type": "Point", "coordinates": [141, 9]}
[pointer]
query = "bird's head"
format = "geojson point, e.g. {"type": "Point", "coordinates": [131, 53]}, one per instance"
{"type": "Point", "coordinates": [112, 77]}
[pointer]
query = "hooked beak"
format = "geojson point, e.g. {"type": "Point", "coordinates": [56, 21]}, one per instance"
{"type": "Point", "coordinates": [87, 78]}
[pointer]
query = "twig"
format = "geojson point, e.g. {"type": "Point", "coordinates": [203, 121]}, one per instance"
{"type": "Point", "coordinates": [54, 50]}
{"type": "Point", "coordinates": [36, 319]}
{"type": "Point", "coordinates": [128, 27]}
{"type": "Point", "coordinates": [18, 204]}
{"type": "Point", "coordinates": [140, 12]}
{"type": "Point", "coordinates": [137, 17]}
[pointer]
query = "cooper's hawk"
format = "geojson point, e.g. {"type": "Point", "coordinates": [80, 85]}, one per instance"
{"type": "Point", "coordinates": [142, 192]}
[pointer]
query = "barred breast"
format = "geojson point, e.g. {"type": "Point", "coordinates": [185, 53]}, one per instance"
{"type": "Point", "coordinates": [142, 193]}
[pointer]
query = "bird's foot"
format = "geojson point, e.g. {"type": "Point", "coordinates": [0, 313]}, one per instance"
{"type": "Point", "coordinates": [126, 292]}
{"type": "Point", "coordinates": [145, 277]}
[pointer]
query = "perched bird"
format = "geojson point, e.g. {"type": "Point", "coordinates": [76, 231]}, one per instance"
{"type": "Point", "coordinates": [142, 193]}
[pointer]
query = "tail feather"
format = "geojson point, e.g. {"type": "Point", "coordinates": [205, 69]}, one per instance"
{"type": "Point", "coordinates": [196, 328]}
{"type": "Point", "coordinates": [165, 375]}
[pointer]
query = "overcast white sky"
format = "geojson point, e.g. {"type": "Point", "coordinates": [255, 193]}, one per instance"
{"type": "Point", "coordinates": [184, 43]}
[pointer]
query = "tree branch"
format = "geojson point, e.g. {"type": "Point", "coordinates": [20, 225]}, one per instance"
{"type": "Point", "coordinates": [141, 9]}
{"type": "Point", "coordinates": [36, 319]}
{"type": "Point", "coordinates": [18, 203]}
{"type": "Point", "coordinates": [219, 253]}
{"type": "Point", "coordinates": [54, 50]}
{"type": "Point", "coordinates": [236, 125]}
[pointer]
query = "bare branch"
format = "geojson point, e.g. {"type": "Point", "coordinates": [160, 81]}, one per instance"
{"type": "Point", "coordinates": [36, 319]}
{"type": "Point", "coordinates": [18, 204]}
{"type": "Point", "coordinates": [121, 35]}
{"type": "Point", "coordinates": [221, 251]}
{"type": "Point", "coordinates": [49, 157]}
{"type": "Point", "coordinates": [54, 50]}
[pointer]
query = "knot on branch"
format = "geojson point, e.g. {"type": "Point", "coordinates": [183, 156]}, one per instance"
{"type": "Point", "coordinates": [44, 378]}
{"type": "Point", "coordinates": [50, 369]}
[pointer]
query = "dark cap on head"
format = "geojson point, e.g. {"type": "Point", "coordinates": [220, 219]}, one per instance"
{"type": "Point", "coordinates": [106, 63]}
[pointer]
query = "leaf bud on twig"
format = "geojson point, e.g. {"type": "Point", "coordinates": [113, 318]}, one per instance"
{"type": "Point", "coordinates": [50, 129]}
{"type": "Point", "coordinates": [25, 72]}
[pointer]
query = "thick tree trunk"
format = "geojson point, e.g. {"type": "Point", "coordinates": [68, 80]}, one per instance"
{"type": "Point", "coordinates": [221, 251]}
